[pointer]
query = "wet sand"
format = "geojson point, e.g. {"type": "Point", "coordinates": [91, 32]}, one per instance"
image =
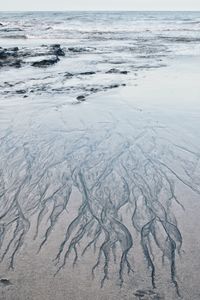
{"type": "Point", "coordinates": [101, 200]}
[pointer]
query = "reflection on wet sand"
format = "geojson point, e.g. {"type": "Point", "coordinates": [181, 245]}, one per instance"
{"type": "Point", "coordinates": [126, 170]}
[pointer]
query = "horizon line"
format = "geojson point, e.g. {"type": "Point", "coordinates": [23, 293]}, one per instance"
{"type": "Point", "coordinates": [94, 10]}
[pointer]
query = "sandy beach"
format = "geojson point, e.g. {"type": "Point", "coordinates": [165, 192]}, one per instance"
{"type": "Point", "coordinates": [99, 195]}
{"type": "Point", "coordinates": [126, 131]}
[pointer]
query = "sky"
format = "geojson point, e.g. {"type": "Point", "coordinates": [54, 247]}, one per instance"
{"type": "Point", "coordinates": [18, 5]}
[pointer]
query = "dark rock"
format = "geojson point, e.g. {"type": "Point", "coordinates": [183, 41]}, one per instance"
{"type": "Point", "coordinates": [94, 90]}
{"type": "Point", "coordinates": [88, 73]}
{"type": "Point", "coordinates": [57, 50]}
{"type": "Point", "coordinates": [14, 49]}
{"type": "Point", "coordinates": [116, 71]}
{"type": "Point", "coordinates": [80, 98]}
{"type": "Point", "coordinates": [111, 71]}
{"type": "Point", "coordinates": [45, 62]}
{"type": "Point", "coordinates": [113, 86]}
{"type": "Point", "coordinates": [76, 49]}
{"type": "Point", "coordinates": [5, 281]}
{"type": "Point", "coordinates": [3, 54]}
{"type": "Point", "coordinates": [1, 24]}
{"type": "Point", "coordinates": [10, 52]}
{"type": "Point", "coordinates": [21, 91]}
{"type": "Point", "coordinates": [8, 57]}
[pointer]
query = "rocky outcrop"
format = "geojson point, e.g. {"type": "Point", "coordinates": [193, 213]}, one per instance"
{"type": "Point", "coordinates": [45, 62]}
{"type": "Point", "coordinates": [56, 50]}
{"type": "Point", "coordinates": [10, 57]}
{"type": "Point", "coordinates": [42, 56]}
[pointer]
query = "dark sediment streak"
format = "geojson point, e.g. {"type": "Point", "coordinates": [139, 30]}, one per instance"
{"type": "Point", "coordinates": [111, 172]}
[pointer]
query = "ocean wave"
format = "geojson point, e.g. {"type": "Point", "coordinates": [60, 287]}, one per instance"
{"type": "Point", "coordinates": [20, 36]}
{"type": "Point", "coordinates": [7, 29]}
{"type": "Point", "coordinates": [180, 39]}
